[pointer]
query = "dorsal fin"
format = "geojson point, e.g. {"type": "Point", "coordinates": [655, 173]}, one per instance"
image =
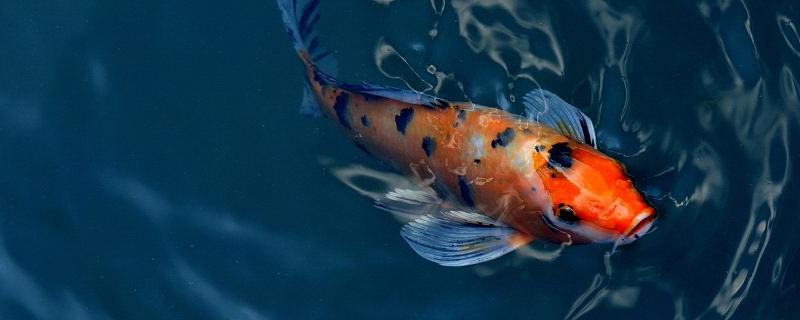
{"type": "Point", "coordinates": [547, 108]}
{"type": "Point", "coordinates": [403, 95]}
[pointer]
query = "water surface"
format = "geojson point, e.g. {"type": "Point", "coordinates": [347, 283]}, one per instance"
{"type": "Point", "coordinates": [154, 163]}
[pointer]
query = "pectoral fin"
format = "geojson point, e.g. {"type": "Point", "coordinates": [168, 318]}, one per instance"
{"type": "Point", "coordinates": [460, 238]}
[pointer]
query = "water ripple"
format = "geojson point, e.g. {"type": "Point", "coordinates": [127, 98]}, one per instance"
{"type": "Point", "coordinates": [789, 33]}
{"type": "Point", "coordinates": [757, 231]}
{"type": "Point", "coordinates": [509, 49]}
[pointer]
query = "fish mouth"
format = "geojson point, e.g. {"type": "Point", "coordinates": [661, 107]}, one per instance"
{"type": "Point", "coordinates": [640, 225]}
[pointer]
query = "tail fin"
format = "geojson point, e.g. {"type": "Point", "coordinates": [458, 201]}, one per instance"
{"type": "Point", "coordinates": [301, 29]}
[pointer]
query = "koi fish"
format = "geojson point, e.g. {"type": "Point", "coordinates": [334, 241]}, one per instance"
{"type": "Point", "coordinates": [490, 181]}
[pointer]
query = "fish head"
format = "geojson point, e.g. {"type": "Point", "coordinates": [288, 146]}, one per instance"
{"type": "Point", "coordinates": [593, 199]}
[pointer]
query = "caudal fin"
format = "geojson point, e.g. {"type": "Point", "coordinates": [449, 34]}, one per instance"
{"type": "Point", "coordinates": [300, 22]}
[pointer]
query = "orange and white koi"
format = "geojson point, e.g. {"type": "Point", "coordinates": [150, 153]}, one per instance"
{"type": "Point", "coordinates": [507, 179]}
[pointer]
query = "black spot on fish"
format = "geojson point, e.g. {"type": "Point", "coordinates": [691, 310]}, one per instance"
{"type": "Point", "coordinates": [462, 115]}
{"type": "Point", "coordinates": [503, 138]}
{"type": "Point", "coordinates": [340, 106]}
{"type": "Point", "coordinates": [539, 148]}
{"type": "Point", "coordinates": [466, 191]}
{"type": "Point", "coordinates": [560, 155]}
{"type": "Point", "coordinates": [585, 129]}
{"type": "Point", "coordinates": [442, 104]}
{"type": "Point", "coordinates": [477, 161]}
{"type": "Point", "coordinates": [553, 175]}
{"type": "Point", "coordinates": [403, 119]}
{"type": "Point", "coordinates": [365, 121]}
{"type": "Point", "coordinates": [429, 145]}
{"type": "Point", "coordinates": [533, 189]}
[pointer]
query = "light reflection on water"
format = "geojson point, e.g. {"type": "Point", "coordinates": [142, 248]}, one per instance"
{"type": "Point", "coordinates": [156, 167]}
{"type": "Point", "coordinates": [696, 174]}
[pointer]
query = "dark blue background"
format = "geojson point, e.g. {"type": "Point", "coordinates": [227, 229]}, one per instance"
{"type": "Point", "coordinates": [153, 163]}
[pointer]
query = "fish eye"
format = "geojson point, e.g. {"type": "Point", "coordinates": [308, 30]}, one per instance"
{"type": "Point", "coordinates": [565, 213]}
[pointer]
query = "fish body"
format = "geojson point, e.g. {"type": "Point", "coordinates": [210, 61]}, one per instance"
{"type": "Point", "coordinates": [512, 178]}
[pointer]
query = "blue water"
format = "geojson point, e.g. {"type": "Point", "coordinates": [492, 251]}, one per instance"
{"type": "Point", "coordinates": [153, 163]}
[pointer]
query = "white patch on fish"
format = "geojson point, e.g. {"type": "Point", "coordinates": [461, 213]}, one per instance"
{"type": "Point", "coordinates": [481, 181]}
{"type": "Point", "coordinates": [478, 144]}
{"type": "Point", "coordinates": [522, 157]}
